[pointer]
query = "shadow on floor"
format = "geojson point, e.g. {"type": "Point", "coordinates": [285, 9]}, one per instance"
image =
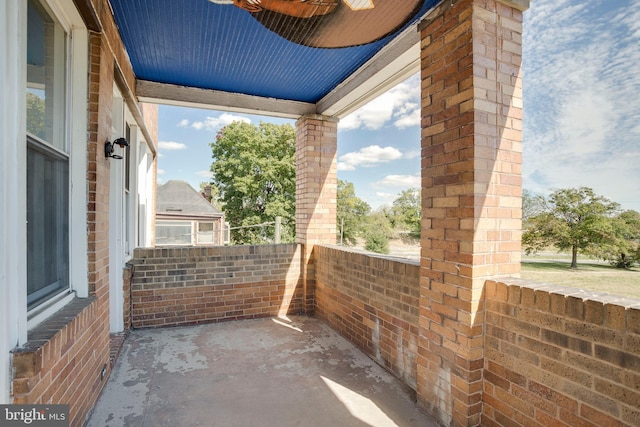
{"type": "Point", "coordinates": [264, 372]}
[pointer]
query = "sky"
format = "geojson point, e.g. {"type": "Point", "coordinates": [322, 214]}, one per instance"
{"type": "Point", "coordinates": [581, 66]}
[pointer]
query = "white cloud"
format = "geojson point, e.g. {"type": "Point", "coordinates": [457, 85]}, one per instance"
{"type": "Point", "coordinates": [384, 195]}
{"type": "Point", "coordinates": [399, 181]}
{"type": "Point", "coordinates": [215, 123]}
{"type": "Point", "coordinates": [400, 105]}
{"type": "Point", "coordinates": [368, 157]}
{"type": "Point", "coordinates": [205, 174]}
{"type": "Point", "coordinates": [160, 172]}
{"type": "Point", "coordinates": [184, 123]}
{"type": "Point", "coordinates": [409, 119]}
{"type": "Point", "coordinates": [171, 145]}
{"type": "Point", "coordinates": [581, 121]}
{"type": "Point", "coordinates": [383, 198]}
{"type": "Point", "coordinates": [411, 154]}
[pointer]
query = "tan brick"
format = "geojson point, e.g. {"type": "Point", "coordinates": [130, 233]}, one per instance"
{"type": "Point", "coordinates": [619, 393]}
{"type": "Point", "coordinates": [27, 364]}
{"type": "Point", "coordinates": [633, 319]}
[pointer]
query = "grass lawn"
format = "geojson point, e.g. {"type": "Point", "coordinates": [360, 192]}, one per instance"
{"type": "Point", "coordinates": [590, 275]}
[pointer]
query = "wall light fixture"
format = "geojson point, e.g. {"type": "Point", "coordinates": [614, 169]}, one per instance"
{"type": "Point", "coordinates": [109, 147]}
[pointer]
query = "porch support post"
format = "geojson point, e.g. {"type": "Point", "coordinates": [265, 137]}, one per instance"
{"type": "Point", "coordinates": [101, 81]}
{"type": "Point", "coordinates": [471, 53]}
{"type": "Point", "coordinates": [316, 187]}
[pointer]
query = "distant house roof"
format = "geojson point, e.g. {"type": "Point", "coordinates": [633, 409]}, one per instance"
{"type": "Point", "coordinates": [178, 198]}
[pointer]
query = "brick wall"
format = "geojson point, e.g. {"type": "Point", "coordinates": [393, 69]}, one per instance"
{"type": "Point", "coordinates": [63, 360]}
{"type": "Point", "coordinates": [552, 355]}
{"type": "Point", "coordinates": [316, 189]}
{"type": "Point", "coordinates": [174, 286]}
{"type": "Point", "coordinates": [560, 356]}
{"type": "Point", "coordinates": [373, 302]}
{"type": "Point", "coordinates": [127, 276]}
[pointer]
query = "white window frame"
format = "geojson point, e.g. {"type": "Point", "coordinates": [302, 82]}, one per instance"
{"type": "Point", "coordinates": [13, 206]}
{"type": "Point", "coordinates": [143, 194]}
{"type": "Point", "coordinates": [199, 235]}
{"type": "Point", "coordinates": [175, 223]}
{"type": "Point", "coordinates": [75, 135]}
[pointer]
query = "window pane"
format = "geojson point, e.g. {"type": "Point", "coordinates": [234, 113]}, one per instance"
{"type": "Point", "coordinates": [47, 223]}
{"type": "Point", "coordinates": [205, 232]}
{"type": "Point", "coordinates": [46, 76]}
{"type": "Point", "coordinates": [173, 232]}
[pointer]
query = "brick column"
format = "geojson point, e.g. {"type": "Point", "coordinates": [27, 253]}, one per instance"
{"type": "Point", "coordinates": [316, 187]}
{"type": "Point", "coordinates": [471, 191]}
{"type": "Point", "coordinates": [101, 81]}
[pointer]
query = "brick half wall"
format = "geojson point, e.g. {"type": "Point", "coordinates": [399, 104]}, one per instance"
{"type": "Point", "coordinates": [560, 356]}
{"type": "Point", "coordinates": [179, 286]}
{"type": "Point", "coordinates": [371, 300]}
{"type": "Point", "coordinates": [63, 360]}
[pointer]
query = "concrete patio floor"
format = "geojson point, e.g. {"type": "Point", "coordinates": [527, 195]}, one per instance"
{"type": "Point", "coordinates": [264, 372]}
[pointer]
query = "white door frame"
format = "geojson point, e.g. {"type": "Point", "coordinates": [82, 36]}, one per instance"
{"type": "Point", "coordinates": [116, 220]}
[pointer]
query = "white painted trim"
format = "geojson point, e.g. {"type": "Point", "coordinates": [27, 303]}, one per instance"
{"type": "Point", "coordinates": [394, 63]}
{"type": "Point", "coordinates": [79, 274]}
{"type": "Point", "coordinates": [149, 192]}
{"type": "Point", "coordinates": [141, 196]}
{"type": "Point", "coordinates": [42, 312]}
{"type": "Point", "coordinates": [132, 214]}
{"type": "Point", "coordinates": [13, 205]}
{"type": "Point", "coordinates": [182, 96]}
{"type": "Point", "coordinates": [116, 219]}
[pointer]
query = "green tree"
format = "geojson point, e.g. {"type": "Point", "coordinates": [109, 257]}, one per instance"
{"type": "Point", "coordinates": [377, 242]}
{"type": "Point", "coordinates": [574, 219]}
{"type": "Point", "coordinates": [35, 115]}
{"type": "Point", "coordinates": [351, 213]}
{"type": "Point", "coordinates": [532, 205]}
{"type": "Point", "coordinates": [254, 172]}
{"type": "Point", "coordinates": [623, 249]}
{"type": "Point", "coordinates": [406, 210]}
{"type": "Point", "coordinates": [378, 230]}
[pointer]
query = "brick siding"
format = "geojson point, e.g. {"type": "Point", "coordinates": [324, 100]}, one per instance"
{"type": "Point", "coordinates": [127, 276]}
{"type": "Point", "coordinates": [373, 302]}
{"type": "Point", "coordinates": [176, 286]}
{"type": "Point", "coordinates": [560, 356]}
{"type": "Point", "coordinates": [63, 360]}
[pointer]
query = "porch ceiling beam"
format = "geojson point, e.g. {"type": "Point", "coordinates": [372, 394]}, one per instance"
{"type": "Point", "coordinates": [89, 15]}
{"type": "Point", "coordinates": [394, 63]}
{"type": "Point", "coordinates": [162, 93]}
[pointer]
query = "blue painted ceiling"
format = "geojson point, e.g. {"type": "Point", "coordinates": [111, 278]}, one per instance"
{"type": "Point", "coordinates": [198, 43]}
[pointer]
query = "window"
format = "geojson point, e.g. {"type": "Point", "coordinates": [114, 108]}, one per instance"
{"type": "Point", "coordinates": [206, 233]}
{"type": "Point", "coordinates": [47, 156]}
{"type": "Point", "coordinates": [173, 232]}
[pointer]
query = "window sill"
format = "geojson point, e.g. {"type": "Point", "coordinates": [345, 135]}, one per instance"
{"type": "Point", "coordinates": [28, 359]}
{"type": "Point", "coordinates": [55, 323]}
{"type": "Point", "coordinates": [48, 309]}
